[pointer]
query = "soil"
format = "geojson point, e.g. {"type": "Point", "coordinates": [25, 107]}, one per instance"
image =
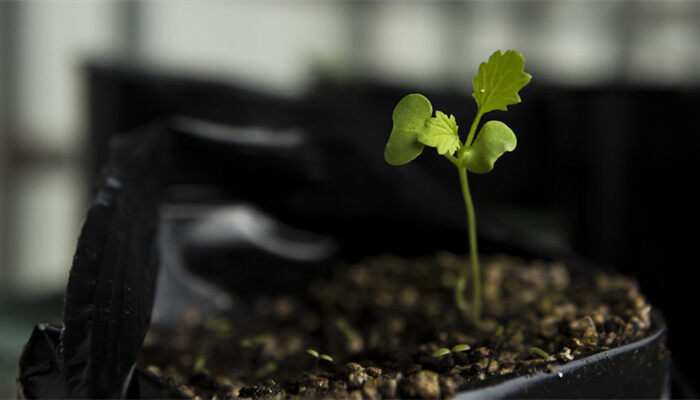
{"type": "Point", "coordinates": [381, 321]}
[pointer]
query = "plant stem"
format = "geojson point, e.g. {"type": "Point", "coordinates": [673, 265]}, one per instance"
{"type": "Point", "coordinates": [473, 251]}
{"type": "Point", "coordinates": [472, 131]}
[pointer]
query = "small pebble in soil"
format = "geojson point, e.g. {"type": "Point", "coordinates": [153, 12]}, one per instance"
{"type": "Point", "coordinates": [356, 375]}
{"type": "Point", "coordinates": [565, 355]}
{"type": "Point", "coordinates": [424, 384]}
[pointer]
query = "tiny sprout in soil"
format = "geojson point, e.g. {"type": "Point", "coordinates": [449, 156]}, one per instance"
{"type": "Point", "coordinates": [441, 352]}
{"type": "Point", "coordinates": [317, 355]}
{"type": "Point", "coordinates": [461, 347]}
{"type": "Point", "coordinates": [496, 86]}
{"type": "Point", "coordinates": [539, 352]}
{"type": "Point", "coordinates": [199, 364]}
{"type": "Point", "coordinates": [455, 349]}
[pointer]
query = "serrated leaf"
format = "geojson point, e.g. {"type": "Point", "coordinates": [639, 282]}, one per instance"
{"type": "Point", "coordinates": [312, 352]}
{"type": "Point", "coordinates": [410, 117]}
{"type": "Point", "coordinates": [461, 347]}
{"type": "Point", "coordinates": [441, 352]}
{"type": "Point", "coordinates": [441, 133]}
{"type": "Point", "coordinates": [494, 139]}
{"type": "Point", "coordinates": [498, 81]}
{"type": "Point", "coordinates": [326, 357]}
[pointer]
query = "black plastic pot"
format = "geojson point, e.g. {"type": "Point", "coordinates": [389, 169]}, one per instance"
{"type": "Point", "coordinates": [336, 203]}
{"type": "Point", "coordinates": [635, 370]}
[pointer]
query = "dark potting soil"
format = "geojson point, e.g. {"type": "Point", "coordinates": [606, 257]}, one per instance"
{"type": "Point", "coordinates": [382, 320]}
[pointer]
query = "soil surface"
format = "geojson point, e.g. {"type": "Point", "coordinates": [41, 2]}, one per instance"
{"type": "Point", "coordinates": [383, 322]}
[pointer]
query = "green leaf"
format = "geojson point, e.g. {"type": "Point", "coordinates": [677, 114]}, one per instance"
{"type": "Point", "coordinates": [252, 341]}
{"type": "Point", "coordinates": [312, 352]}
{"type": "Point", "coordinates": [199, 363]}
{"type": "Point", "coordinates": [498, 81]}
{"type": "Point", "coordinates": [460, 285]}
{"type": "Point", "coordinates": [539, 352]}
{"type": "Point", "coordinates": [410, 117]}
{"type": "Point", "coordinates": [441, 352]}
{"type": "Point", "coordinates": [461, 347]}
{"type": "Point", "coordinates": [494, 139]}
{"type": "Point", "coordinates": [326, 357]}
{"type": "Point", "coordinates": [266, 369]}
{"type": "Point", "coordinates": [441, 132]}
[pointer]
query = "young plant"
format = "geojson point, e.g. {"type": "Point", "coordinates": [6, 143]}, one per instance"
{"type": "Point", "coordinates": [496, 86]}
{"type": "Point", "coordinates": [444, 351]}
{"type": "Point", "coordinates": [318, 357]}
{"type": "Point", "coordinates": [540, 352]}
{"type": "Point", "coordinates": [199, 364]}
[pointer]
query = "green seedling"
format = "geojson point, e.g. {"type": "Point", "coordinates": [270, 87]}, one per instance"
{"type": "Point", "coordinates": [441, 352]}
{"type": "Point", "coordinates": [199, 364]}
{"type": "Point", "coordinates": [444, 351]}
{"type": "Point", "coordinates": [266, 369]}
{"type": "Point", "coordinates": [219, 326]}
{"type": "Point", "coordinates": [354, 340]}
{"type": "Point", "coordinates": [496, 86]}
{"type": "Point", "coordinates": [540, 352]}
{"type": "Point", "coordinates": [253, 341]}
{"type": "Point", "coordinates": [461, 347]}
{"type": "Point", "coordinates": [318, 356]}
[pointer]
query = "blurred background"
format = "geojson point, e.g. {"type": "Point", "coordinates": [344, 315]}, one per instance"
{"type": "Point", "coordinates": [615, 85]}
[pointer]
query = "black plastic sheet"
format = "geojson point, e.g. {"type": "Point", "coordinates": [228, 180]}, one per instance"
{"type": "Point", "coordinates": [111, 286]}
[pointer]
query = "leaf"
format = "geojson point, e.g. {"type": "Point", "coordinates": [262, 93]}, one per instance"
{"type": "Point", "coordinates": [199, 364]}
{"type": "Point", "coordinates": [441, 132]}
{"type": "Point", "coordinates": [312, 352]}
{"type": "Point", "coordinates": [494, 139]}
{"type": "Point", "coordinates": [326, 357]}
{"type": "Point", "coordinates": [441, 352]}
{"type": "Point", "coordinates": [253, 340]}
{"type": "Point", "coordinates": [498, 81]}
{"type": "Point", "coordinates": [539, 352]}
{"type": "Point", "coordinates": [410, 117]}
{"type": "Point", "coordinates": [461, 347]}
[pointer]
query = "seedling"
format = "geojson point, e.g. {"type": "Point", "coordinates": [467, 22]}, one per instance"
{"type": "Point", "coordinates": [199, 364]}
{"type": "Point", "coordinates": [444, 351]}
{"type": "Point", "coordinates": [219, 326]}
{"type": "Point", "coordinates": [354, 340]}
{"type": "Point", "coordinates": [266, 369]}
{"type": "Point", "coordinates": [540, 352]}
{"type": "Point", "coordinates": [496, 86]}
{"type": "Point", "coordinates": [318, 357]}
{"type": "Point", "coordinates": [461, 347]}
{"type": "Point", "coordinates": [253, 341]}
{"type": "Point", "coordinates": [441, 352]}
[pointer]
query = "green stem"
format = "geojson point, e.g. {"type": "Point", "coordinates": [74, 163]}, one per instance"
{"type": "Point", "coordinates": [472, 130]}
{"type": "Point", "coordinates": [473, 251]}
{"type": "Point", "coordinates": [453, 160]}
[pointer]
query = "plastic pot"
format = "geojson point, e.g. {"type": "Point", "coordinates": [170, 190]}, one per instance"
{"type": "Point", "coordinates": [635, 370]}
{"type": "Point", "coordinates": [129, 241]}
{"type": "Point", "coordinates": [638, 369]}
